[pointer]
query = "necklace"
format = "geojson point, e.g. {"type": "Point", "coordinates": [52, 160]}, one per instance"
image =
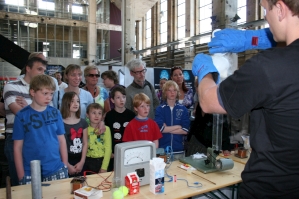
{"type": "Point", "coordinates": [94, 93]}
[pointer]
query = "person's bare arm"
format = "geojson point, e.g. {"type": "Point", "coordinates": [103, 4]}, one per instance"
{"type": "Point", "coordinates": [62, 149]}
{"type": "Point", "coordinates": [14, 107]}
{"type": "Point", "coordinates": [156, 143]}
{"type": "Point", "coordinates": [18, 157]}
{"type": "Point", "coordinates": [21, 101]}
{"type": "Point", "coordinates": [208, 98]}
{"type": "Point", "coordinates": [100, 129]}
{"type": "Point", "coordinates": [80, 164]}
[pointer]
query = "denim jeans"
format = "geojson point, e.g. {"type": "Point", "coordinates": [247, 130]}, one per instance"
{"type": "Point", "coordinates": [60, 174]}
{"type": "Point", "coordinates": [8, 150]}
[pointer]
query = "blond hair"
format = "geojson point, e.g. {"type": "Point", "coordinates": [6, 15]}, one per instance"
{"type": "Point", "coordinates": [39, 82]}
{"type": "Point", "coordinates": [70, 68]}
{"type": "Point", "coordinates": [139, 98]}
{"type": "Point", "coordinates": [94, 106]}
{"type": "Point", "coordinates": [167, 85]}
{"type": "Point", "coordinates": [89, 68]}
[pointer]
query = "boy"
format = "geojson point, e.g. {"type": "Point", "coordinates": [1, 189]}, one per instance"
{"type": "Point", "coordinates": [173, 120]}
{"type": "Point", "coordinates": [118, 118]}
{"type": "Point", "coordinates": [142, 127]}
{"type": "Point", "coordinates": [99, 146]}
{"type": "Point", "coordinates": [39, 134]}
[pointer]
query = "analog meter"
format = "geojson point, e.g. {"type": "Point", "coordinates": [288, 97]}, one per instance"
{"type": "Point", "coordinates": [134, 156]}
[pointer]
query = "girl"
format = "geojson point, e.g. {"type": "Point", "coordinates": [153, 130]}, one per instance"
{"type": "Point", "coordinates": [75, 133]}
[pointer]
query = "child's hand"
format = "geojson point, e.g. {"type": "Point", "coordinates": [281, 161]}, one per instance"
{"type": "Point", "coordinates": [79, 167]}
{"type": "Point", "coordinates": [71, 169]}
{"type": "Point", "coordinates": [102, 171]}
{"type": "Point", "coordinates": [112, 155]}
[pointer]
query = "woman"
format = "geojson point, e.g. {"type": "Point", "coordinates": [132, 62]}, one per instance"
{"type": "Point", "coordinates": [110, 81]}
{"type": "Point", "coordinates": [73, 76]}
{"type": "Point", "coordinates": [186, 95]}
{"type": "Point", "coordinates": [99, 95]}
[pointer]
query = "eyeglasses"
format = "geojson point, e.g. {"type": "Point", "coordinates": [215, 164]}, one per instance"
{"type": "Point", "coordinates": [93, 75]}
{"type": "Point", "coordinates": [139, 72]}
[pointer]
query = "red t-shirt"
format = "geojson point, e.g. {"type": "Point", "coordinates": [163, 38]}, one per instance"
{"type": "Point", "coordinates": [139, 129]}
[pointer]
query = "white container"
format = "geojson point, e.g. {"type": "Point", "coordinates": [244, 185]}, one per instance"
{"type": "Point", "coordinates": [157, 166]}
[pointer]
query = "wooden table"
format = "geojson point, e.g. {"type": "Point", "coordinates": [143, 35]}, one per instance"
{"type": "Point", "coordinates": [236, 159]}
{"type": "Point", "coordinates": [60, 189]}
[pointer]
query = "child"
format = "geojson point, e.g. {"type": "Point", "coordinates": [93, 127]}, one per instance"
{"type": "Point", "coordinates": [39, 134]}
{"type": "Point", "coordinates": [173, 120]}
{"type": "Point", "coordinates": [117, 119]}
{"type": "Point", "coordinates": [159, 91]}
{"type": "Point", "coordinates": [75, 133]}
{"type": "Point", "coordinates": [99, 146]}
{"type": "Point", "coordinates": [142, 127]}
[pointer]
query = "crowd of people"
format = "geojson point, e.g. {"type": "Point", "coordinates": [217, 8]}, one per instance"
{"type": "Point", "coordinates": [72, 128]}
{"type": "Point", "coordinates": [71, 137]}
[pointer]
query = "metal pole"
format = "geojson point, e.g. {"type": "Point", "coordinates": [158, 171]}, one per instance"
{"type": "Point", "coordinates": [36, 185]}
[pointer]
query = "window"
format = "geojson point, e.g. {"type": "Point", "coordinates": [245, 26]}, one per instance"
{"type": "Point", "coordinates": [181, 21]}
{"type": "Point", "coordinates": [46, 5]}
{"type": "Point", "coordinates": [76, 9]}
{"type": "Point", "coordinates": [241, 11]}
{"type": "Point", "coordinates": [205, 13]}
{"type": "Point", "coordinates": [148, 28]}
{"type": "Point", "coordinates": [15, 2]}
{"type": "Point", "coordinates": [163, 23]}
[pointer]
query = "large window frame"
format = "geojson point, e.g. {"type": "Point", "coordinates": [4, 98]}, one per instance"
{"type": "Point", "coordinates": [205, 21]}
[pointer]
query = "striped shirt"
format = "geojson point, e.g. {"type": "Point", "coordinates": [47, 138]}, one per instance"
{"type": "Point", "coordinates": [10, 92]}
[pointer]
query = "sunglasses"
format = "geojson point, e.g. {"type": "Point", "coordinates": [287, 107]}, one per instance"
{"type": "Point", "coordinates": [93, 75]}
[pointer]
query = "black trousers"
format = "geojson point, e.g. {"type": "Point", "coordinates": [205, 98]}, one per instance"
{"type": "Point", "coordinates": [93, 164]}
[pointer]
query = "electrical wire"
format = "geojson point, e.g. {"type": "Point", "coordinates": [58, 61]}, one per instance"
{"type": "Point", "coordinates": [105, 185]}
{"type": "Point", "coordinates": [199, 185]}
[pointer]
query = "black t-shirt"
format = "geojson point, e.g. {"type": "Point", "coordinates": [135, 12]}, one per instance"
{"type": "Point", "coordinates": [117, 123]}
{"type": "Point", "coordinates": [268, 86]}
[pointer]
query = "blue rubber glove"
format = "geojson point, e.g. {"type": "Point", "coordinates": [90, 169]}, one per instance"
{"type": "Point", "coordinates": [235, 41]}
{"type": "Point", "coordinates": [203, 65]}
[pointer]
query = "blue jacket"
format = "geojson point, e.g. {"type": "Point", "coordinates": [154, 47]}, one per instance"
{"type": "Point", "coordinates": [178, 116]}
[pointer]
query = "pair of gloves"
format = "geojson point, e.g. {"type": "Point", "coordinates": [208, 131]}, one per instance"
{"type": "Point", "coordinates": [230, 40]}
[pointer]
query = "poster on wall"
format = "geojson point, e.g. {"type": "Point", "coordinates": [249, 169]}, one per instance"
{"type": "Point", "coordinates": [160, 73]}
{"type": "Point", "coordinates": [52, 69]}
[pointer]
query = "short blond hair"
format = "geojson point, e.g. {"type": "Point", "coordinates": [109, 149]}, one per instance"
{"type": "Point", "coordinates": [167, 85]}
{"type": "Point", "coordinates": [139, 98]}
{"type": "Point", "coordinates": [89, 68]}
{"type": "Point", "coordinates": [70, 68]}
{"type": "Point", "coordinates": [39, 82]}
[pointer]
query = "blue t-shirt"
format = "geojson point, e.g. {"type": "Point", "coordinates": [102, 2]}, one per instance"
{"type": "Point", "coordinates": [39, 131]}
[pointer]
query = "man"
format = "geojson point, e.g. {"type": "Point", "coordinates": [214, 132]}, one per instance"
{"type": "Point", "coordinates": [266, 85]}
{"type": "Point", "coordinates": [61, 84]}
{"type": "Point", "coordinates": [12, 90]}
{"type": "Point", "coordinates": [137, 69]}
